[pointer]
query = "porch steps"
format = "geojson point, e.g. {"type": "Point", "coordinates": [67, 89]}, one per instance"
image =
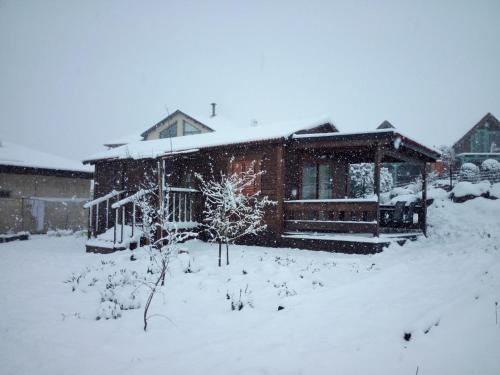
{"type": "Point", "coordinates": [356, 243]}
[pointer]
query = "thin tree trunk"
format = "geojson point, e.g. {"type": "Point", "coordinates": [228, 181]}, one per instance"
{"type": "Point", "coordinates": [220, 252]}
{"type": "Point", "coordinates": [164, 266]}
{"type": "Point", "coordinates": [227, 254]}
{"type": "Point", "coordinates": [151, 295]}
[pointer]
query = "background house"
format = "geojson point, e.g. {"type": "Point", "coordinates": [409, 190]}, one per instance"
{"type": "Point", "coordinates": [177, 124]}
{"type": "Point", "coordinates": [41, 191]}
{"type": "Point", "coordinates": [481, 142]}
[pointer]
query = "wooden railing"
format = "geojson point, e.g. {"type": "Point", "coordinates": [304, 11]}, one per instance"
{"type": "Point", "coordinates": [332, 215]}
{"type": "Point", "coordinates": [119, 210]}
{"type": "Point", "coordinates": [94, 216]}
{"type": "Point", "coordinates": [181, 206]}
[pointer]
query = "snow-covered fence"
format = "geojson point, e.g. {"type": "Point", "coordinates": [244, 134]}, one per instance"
{"type": "Point", "coordinates": [492, 176]}
{"type": "Point", "coordinates": [41, 214]}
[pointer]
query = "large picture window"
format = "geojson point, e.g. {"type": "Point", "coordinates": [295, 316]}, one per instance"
{"type": "Point", "coordinates": [190, 129]}
{"type": "Point", "coordinates": [317, 181]}
{"type": "Point", "coordinates": [170, 131]}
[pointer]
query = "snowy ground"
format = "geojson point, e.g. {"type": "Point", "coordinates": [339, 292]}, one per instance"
{"type": "Point", "coordinates": [342, 314]}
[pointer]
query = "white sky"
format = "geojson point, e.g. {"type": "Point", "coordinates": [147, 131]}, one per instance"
{"type": "Point", "coordinates": [74, 75]}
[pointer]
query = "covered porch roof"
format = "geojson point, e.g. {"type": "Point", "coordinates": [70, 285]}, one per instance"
{"type": "Point", "coordinates": [363, 146]}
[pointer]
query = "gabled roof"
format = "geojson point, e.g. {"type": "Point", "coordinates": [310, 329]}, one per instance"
{"type": "Point", "coordinates": [235, 135]}
{"type": "Point", "coordinates": [172, 115]}
{"type": "Point", "coordinates": [487, 118]}
{"type": "Point", "coordinates": [385, 125]}
{"type": "Point", "coordinates": [14, 155]}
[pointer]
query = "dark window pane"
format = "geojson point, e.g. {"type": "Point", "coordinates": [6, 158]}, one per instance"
{"type": "Point", "coordinates": [309, 181]}
{"type": "Point", "coordinates": [325, 181]}
{"type": "Point", "coordinates": [170, 131]}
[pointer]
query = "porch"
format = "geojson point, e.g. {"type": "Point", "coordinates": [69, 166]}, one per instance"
{"type": "Point", "coordinates": [322, 212]}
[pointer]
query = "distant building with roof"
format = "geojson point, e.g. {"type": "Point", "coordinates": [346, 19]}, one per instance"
{"type": "Point", "coordinates": [41, 191]}
{"type": "Point", "coordinates": [481, 142]}
{"type": "Point", "coordinates": [176, 124]}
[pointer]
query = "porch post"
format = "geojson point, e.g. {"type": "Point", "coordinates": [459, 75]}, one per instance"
{"type": "Point", "coordinates": [376, 186]}
{"type": "Point", "coordinates": [161, 182]}
{"type": "Point", "coordinates": [423, 224]}
{"type": "Point", "coordinates": [280, 192]}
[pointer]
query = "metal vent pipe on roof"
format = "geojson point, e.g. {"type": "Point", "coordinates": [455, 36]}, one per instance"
{"type": "Point", "coordinates": [213, 108]}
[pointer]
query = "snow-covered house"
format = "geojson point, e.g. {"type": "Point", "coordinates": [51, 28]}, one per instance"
{"type": "Point", "coordinates": [480, 143]}
{"type": "Point", "coordinates": [40, 191]}
{"type": "Point", "coordinates": [306, 166]}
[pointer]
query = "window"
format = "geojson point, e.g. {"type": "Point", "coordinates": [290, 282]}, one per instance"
{"type": "Point", "coordinates": [4, 194]}
{"type": "Point", "coordinates": [317, 181]}
{"type": "Point", "coordinates": [190, 129]}
{"type": "Point", "coordinates": [187, 179]}
{"type": "Point", "coordinates": [309, 176]}
{"type": "Point", "coordinates": [170, 131]}
{"type": "Point", "coordinates": [245, 165]}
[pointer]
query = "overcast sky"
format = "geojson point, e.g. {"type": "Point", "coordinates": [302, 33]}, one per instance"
{"type": "Point", "coordinates": [74, 75]}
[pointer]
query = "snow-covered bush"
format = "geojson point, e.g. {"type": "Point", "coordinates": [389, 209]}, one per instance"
{"type": "Point", "coordinates": [490, 165]}
{"type": "Point", "coordinates": [361, 177]}
{"type": "Point", "coordinates": [469, 172]}
{"type": "Point", "coordinates": [465, 190]}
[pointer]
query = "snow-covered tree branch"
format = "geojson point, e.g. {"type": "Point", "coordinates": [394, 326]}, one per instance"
{"type": "Point", "coordinates": [233, 208]}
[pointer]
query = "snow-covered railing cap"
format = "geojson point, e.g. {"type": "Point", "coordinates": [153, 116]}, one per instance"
{"type": "Point", "coordinates": [102, 199]}
{"type": "Point", "coordinates": [181, 190]}
{"type": "Point", "coordinates": [131, 198]}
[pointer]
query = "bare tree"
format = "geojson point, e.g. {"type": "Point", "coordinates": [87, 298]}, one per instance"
{"type": "Point", "coordinates": [163, 237]}
{"type": "Point", "coordinates": [232, 207]}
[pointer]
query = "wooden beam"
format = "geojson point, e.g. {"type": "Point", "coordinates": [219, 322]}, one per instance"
{"type": "Point", "coordinates": [332, 143]}
{"type": "Point", "coordinates": [424, 200]}
{"type": "Point", "coordinates": [280, 192]}
{"type": "Point", "coordinates": [403, 158]}
{"type": "Point", "coordinates": [376, 187]}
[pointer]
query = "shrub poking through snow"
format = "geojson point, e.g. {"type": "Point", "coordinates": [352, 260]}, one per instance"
{"type": "Point", "coordinates": [232, 208]}
{"type": "Point", "coordinates": [244, 299]}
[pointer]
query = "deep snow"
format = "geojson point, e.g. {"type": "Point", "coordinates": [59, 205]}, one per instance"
{"type": "Point", "coordinates": [344, 314]}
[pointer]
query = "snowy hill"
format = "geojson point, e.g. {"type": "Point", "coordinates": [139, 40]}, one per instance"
{"type": "Point", "coordinates": [343, 314]}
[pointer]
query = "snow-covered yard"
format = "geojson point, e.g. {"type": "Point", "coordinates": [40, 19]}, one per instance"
{"type": "Point", "coordinates": [343, 314]}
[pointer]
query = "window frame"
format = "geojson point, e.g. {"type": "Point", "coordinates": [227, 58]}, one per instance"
{"type": "Point", "coordinates": [184, 123]}
{"type": "Point", "coordinates": [172, 125]}
{"type": "Point", "coordinates": [317, 164]}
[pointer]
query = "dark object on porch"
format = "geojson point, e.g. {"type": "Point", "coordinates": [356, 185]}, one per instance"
{"type": "Point", "coordinates": [397, 218]}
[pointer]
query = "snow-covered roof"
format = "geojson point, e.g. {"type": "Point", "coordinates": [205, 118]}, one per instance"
{"type": "Point", "coordinates": [124, 140]}
{"type": "Point", "coordinates": [12, 154]}
{"type": "Point", "coordinates": [226, 135]}
{"type": "Point", "coordinates": [216, 123]}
